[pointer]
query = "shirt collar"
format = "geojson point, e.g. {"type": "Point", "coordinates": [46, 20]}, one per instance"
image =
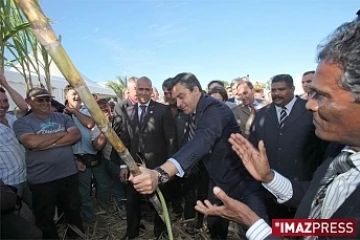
{"type": "Point", "coordinates": [146, 104]}
{"type": "Point", "coordinates": [355, 156]}
{"type": "Point", "coordinates": [288, 106]}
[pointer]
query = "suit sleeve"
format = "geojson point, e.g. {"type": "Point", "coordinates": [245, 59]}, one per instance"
{"type": "Point", "coordinates": [253, 139]}
{"type": "Point", "coordinates": [209, 129]}
{"type": "Point", "coordinates": [120, 128]}
{"type": "Point", "coordinates": [170, 132]}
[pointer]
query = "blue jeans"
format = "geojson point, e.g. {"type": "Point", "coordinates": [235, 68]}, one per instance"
{"type": "Point", "coordinates": [102, 180]}
{"type": "Point", "coordinates": [118, 188]}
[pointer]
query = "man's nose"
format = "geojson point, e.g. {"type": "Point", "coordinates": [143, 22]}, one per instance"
{"type": "Point", "coordinates": [178, 102]}
{"type": "Point", "coordinates": [312, 105]}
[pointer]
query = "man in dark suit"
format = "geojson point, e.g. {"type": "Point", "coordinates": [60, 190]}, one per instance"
{"type": "Point", "coordinates": [288, 132]}
{"type": "Point", "coordinates": [334, 191]}
{"type": "Point", "coordinates": [211, 128]}
{"type": "Point", "coordinates": [152, 133]}
{"type": "Point", "coordinates": [245, 112]}
{"type": "Point", "coordinates": [195, 182]}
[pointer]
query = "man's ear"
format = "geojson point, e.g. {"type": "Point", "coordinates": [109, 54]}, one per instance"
{"type": "Point", "coordinates": [27, 100]}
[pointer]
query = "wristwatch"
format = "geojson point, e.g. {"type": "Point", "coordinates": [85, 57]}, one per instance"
{"type": "Point", "coordinates": [163, 176]}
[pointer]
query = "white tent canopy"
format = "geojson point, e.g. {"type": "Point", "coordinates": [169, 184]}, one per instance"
{"type": "Point", "coordinates": [58, 82]}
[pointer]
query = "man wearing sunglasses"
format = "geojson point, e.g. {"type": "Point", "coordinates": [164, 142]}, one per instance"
{"type": "Point", "coordinates": [51, 170]}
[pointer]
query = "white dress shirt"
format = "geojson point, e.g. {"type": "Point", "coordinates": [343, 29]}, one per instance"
{"type": "Point", "coordinates": [288, 106]}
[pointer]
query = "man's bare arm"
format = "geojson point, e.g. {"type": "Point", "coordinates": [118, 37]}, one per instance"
{"type": "Point", "coordinates": [73, 135]}
{"type": "Point", "coordinates": [15, 96]}
{"type": "Point", "coordinates": [40, 141]}
{"type": "Point", "coordinates": [99, 142]}
{"type": "Point", "coordinates": [85, 120]}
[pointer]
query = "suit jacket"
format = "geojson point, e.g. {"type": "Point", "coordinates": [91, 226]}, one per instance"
{"type": "Point", "coordinates": [119, 123]}
{"type": "Point", "coordinates": [294, 151]}
{"type": "Point", "coordinates": [155, 139]}
{"type": "Point", "coordinates": [182, 128]}
{"type": "Point", "coordinates": [304, 193]}
{"type": "Point", "coordinates": [242, 114]}
{"type": "Point", "coordinates": [214, 124]}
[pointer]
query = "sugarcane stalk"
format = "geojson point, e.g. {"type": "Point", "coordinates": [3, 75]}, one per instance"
{"type": "Point", "coordinates": [47, 37]}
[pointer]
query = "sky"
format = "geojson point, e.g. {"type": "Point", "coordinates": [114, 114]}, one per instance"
{"type": "Point", "coordinates": [211, 38]}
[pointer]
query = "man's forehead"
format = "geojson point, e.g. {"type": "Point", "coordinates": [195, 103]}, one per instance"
{"type": "Point", "coordinates": [3, 95]}
{"type": "Point", "coordinates": [242, 86]}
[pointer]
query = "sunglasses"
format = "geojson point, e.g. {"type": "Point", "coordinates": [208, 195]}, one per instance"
{"type": "Point", "coordinates": [41, 100]}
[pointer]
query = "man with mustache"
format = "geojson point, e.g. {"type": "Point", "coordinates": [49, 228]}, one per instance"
{"type": "Point", "coordinates": [287, 129]}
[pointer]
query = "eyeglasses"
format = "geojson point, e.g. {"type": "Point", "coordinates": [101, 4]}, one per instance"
{"type": "Point", "coordinates": [41, 100]}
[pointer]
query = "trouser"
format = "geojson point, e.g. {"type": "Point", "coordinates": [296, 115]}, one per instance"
{"type": "Point", "coordinates": [175, 194]}
{"type": "Point", "coordinates": [133, 213]}
{"type": "Point", "coordinates": [195, 188]}
{"type": "Point", "coordinates": [117, 187]}
{"type": "Point", "coordinates": [218, 227]}
{"type": "Point", "coordinates": [102, 180]}
{"type": "Point", "coordinates": [15, 227]}
{"type": "Point", "coordinates": [24, 192]}
{"type": "Point", "coordinates": [45, 196]}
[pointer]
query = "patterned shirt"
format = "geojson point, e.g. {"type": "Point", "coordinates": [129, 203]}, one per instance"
{"type": "Point", "coordinates": [12, 154]}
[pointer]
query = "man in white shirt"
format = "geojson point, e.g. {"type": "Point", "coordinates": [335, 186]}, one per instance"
{"type": "Point", "coordinates": [12, 153]}
{"type": "Point", "coordinates": [334, 102]}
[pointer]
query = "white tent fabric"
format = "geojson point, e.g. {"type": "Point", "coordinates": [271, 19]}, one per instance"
{"type": "Point", "coordinates": [58, 82]}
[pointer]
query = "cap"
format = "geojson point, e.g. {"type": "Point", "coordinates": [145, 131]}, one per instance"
{"type": "Point", "coordinates": [259, 86]}
{"type": "Point", "coordinates": [101, 101]}
{"type": "Point", "coordinates": [37, 93]}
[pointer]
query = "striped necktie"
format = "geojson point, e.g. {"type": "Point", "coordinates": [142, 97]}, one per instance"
{"type": "Point", "coordinates": [191, 127]}
{"type": "Point", "coordinates": [196, 168]}
{"type": "Point", "coordinates": [283, 116]}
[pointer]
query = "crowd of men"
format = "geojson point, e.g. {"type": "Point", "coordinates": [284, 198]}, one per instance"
{"type": "Point", "coordinates": [246, 158]}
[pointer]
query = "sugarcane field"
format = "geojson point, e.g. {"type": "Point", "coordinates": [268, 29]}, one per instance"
{"type": "Point", "coordinates": [179, 120]}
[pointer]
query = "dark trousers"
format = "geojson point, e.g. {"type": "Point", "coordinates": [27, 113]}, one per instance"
{"type": "Point", "coordinates": [218, 227]}
{"type": "Point", "coordinates": [195, 187]}
{"type": "Point", "coordinates": [45, 196]}
{"type": "Point", "coordinates": [133, 207]}
{"type": "Point", "coordinates": [15, 227]}
{"type": "Point", "coordinates": [175, 194]}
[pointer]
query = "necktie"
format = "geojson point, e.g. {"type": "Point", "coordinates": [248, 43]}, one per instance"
{"type": "Point", "coordinates": [191, 127]}
{"type": "Point", "coordinates": [283, 116]}
{"type": "Point", "coordinates": [340, 164]}
{"type": "Point", "coordinates": [250, 120]}
{"type": "Point", "coordinates": [195, 169]}
{"type": "Point", "coordinates": [142, 114]}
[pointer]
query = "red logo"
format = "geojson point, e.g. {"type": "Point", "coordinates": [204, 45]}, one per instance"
{"type": "Point", "coordinates": [314, 227]}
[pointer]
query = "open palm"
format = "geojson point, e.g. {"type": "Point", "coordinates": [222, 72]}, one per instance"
{"type": "Point", "coordinates": [256, 162]}
{"type": "Point", "coordinates": [231, 209]}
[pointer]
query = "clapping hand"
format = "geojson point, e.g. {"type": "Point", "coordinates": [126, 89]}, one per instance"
{"type": "Point", "coordinates": [255, 161]}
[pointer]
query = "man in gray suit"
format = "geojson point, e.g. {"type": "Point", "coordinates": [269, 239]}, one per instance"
{"type": "Point", "coordinates": [245, 112]}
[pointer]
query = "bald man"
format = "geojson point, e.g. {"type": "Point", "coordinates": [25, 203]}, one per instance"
{"type": "Point", "coordinates": [151, 129]}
